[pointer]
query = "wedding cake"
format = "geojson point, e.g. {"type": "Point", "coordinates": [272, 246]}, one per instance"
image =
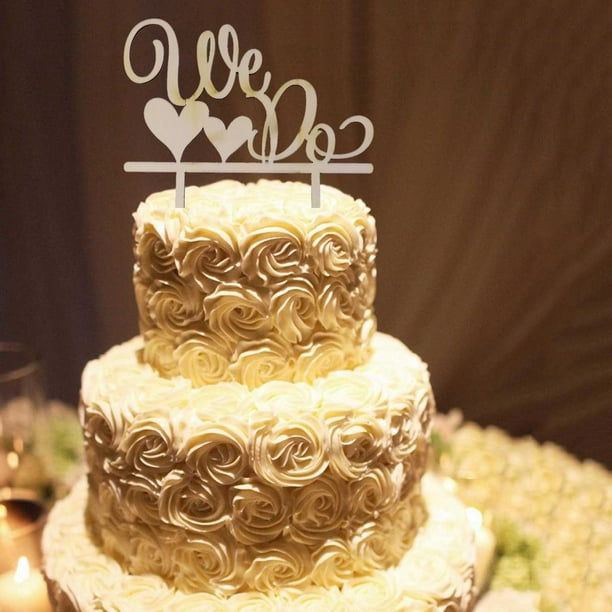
{"type": "Point", "coordinates": [260, 446]}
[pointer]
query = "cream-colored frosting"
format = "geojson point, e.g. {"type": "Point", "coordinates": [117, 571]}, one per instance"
{"type": "Point", "coordinates": [259, 446]}
{"type": "Point", "coordinates": [282, 485]}
{"type": "Point", "coordinates": [248, 283]}
{"type": "Point", "coordinates": [435, 574]}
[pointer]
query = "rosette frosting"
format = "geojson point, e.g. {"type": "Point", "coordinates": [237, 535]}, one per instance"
{"type": "Point", "coordinates": [435, 574]}
{"type": "Point", "coordinates": [299, 483]}
{"type": "Point", "coordinates": [260, 446]}
{"type": "Point", "coordinates": [249, 283]}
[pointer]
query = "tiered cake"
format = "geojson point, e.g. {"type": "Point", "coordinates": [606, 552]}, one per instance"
{"type": "Point", "coordinates": [260, 446]}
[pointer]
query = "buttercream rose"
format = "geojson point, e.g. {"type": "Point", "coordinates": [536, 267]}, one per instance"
{"type": "Point", "coordinates": [218, 400]}
{"type": "Point", "coordinates": [144, 592]}
{"type": "Point", "coordinates": [148, 443]}
{"type": "Point", "coordinates": [354, 390]}
{"type": "Point", "coordinates": [139, 498]}
{"type": "Point", "coordinates": [113, 465]}
{"type": "Point", "coordinates": [370, 548]}
{"type": "Point", "coordinates": [261, 361]}
{"type": "Point", "coordinates": [141, 290]}
{"type": "Point", "coordinates": [207, 254]}
{"type": "Point", "coordinates": [193, 504]}
{"type": "Point", "coordinates": [105, 380]}
{"type": "Point", "coordinates": [96, 573]}
{"type": "Point", "coordinates": [236, 311]}
{"type": "Point", "coordinates": [195, 601]}
{"type": "Point", "coordinates": [375, 492]}
{"type": "Point", "coordinates": [148, 551]}
{"type": "Point", "coordinates": [431, 574]}
{"type": "Point", "coordinates": [294, 309]}
{"type": "Point", "coordinates": [356, 444]}
{"type": "Point", "coordinates": [337, 306]}
{"type": "Point", "coordinates": [174, 306]}
{"type": "Point", "coordinates": [333, 563]}
{"type": "Point", "coordinates": [108, 497]}
{"type": "Point", "coordinates": [284, 399]}
{"type": "Point", "coordinates": [406, 521]}
{"type": "Point", "coordinates": [380, 591]}
{"type": "Point", "coordinates": [102, 425]}
{"type": "Point", "coordinates": [113, 543]}
{"type": "Point", "coordinates": [325, 353]}
{"type": "Point", "coordinates": [202, 358]}
{"type": "Point", "coordinates": [365, 292]}
{"type": "Point", "coordinates": [456, 543]}
{"type": "Point", "coordinates": [218, 451]}
{"type": "Point", "coordinates": [366, 230]}
{"type": "Point", "coordinates": [272, 252]}
{"type": "Point", "coordinates": [158, 351]}
{"type": "Point", "coordinates": [333, 245]}
{"type": "Point", "coordinates": [278, 564]}
{"type": "Point", "coordinates": [259, 513]}
{"type": "Point", "coordinates": [290, 454]}
{"type": "Point", "coordinates": [211, 564]}
{"type": "Point", "coordinates": [317, 601]}
{"type": "Point", "coordinates": [250, 601]}
{"type": "Point", "coordinates": [161, 395]}
{"type": "Point", "coordinates": [404, 429]}
{"type": "Point", "coordinates": [319, 510]}
{"type": "Point", "coordinates": [152, 252]}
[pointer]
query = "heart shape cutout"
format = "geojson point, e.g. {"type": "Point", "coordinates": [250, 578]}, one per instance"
{"type": "Point", "coordinates": [174, 130]}
{"type": "Point", "coordinates": [228, 139]}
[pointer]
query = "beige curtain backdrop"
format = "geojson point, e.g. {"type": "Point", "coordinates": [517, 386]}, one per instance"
{"type": "Point", "coordinates": [492, 182]}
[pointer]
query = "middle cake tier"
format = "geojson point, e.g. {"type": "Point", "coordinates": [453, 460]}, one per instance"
{"type": "Point", "coordinates": [222, 489]}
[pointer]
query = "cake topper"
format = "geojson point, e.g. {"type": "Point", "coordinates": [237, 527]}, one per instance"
{"type": "Point", "coordinates": [176, 129]}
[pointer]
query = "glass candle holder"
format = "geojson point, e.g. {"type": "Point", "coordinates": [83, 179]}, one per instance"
{"type": "Point", "coordinates": [22, 586]}
{"type": "Point", "coordinates": [21, 398]}
{"type": "Point", "coordinates": [22, 518]}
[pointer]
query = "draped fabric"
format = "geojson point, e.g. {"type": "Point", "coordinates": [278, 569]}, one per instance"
{"type": "Point", "coordinates": [491, 185]}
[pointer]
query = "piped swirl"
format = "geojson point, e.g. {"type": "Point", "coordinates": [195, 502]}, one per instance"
{"type": "Point", "coordinates": [248, 283]}
{"type": "Point", "coordinates": [316, 476]}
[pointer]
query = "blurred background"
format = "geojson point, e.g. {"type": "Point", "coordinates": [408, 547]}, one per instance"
{"type": "Point", "coordinates": [492, 184]}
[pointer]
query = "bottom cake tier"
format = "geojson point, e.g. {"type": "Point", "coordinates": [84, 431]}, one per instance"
{"type": "Point", "coordinates": [437, 573]}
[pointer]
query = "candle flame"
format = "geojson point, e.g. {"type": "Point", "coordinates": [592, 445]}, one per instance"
{"type": "Point", "coordinates": [22, 572]}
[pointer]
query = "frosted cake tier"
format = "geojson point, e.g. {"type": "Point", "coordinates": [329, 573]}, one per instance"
{"type": "Point", "coordinates": [259, 446]}
{"type": "Point", "coordinates": [436, 574]}
{"type": "Point", "coordinates": [248, 283]}
{"type": "Point", "coordinates": [325, 476]}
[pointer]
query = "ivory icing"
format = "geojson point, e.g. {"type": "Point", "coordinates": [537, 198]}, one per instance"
{"type": "Point", "coordinates": [248, 283]}
{"type": "Point", "coordinates": [435, 574]}
{"type": "Point", "coordinates": [259, 446]}
{"type": "Point", "coordinates": [288, 471]}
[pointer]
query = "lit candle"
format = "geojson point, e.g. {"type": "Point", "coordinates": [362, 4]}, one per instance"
{"type": "Point", "coordinates": [485, 548]}
{"type": "Point", "coordinates": [23, 589]}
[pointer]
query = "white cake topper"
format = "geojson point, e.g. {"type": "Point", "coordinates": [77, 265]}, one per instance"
{"type": "Point", "coordinates": [176, 130]}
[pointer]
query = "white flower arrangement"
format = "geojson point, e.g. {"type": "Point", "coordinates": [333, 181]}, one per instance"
{"type": "Point", "coordinates": [551, 515]}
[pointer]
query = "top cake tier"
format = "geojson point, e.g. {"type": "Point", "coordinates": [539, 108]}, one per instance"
{"type": "Point", "coordinates": [249, 283]}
